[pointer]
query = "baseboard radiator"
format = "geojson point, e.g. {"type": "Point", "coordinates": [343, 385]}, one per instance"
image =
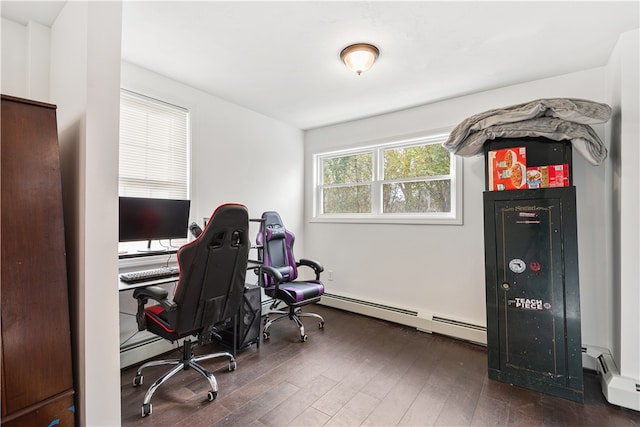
{"type": "Point", "coordinates": [426, 322]}
{"type": "Point", "coordinates": [619, 390]}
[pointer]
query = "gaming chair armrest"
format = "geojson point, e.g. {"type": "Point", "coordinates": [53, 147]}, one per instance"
{"type": "Point", "coordinates": [315, 265]}
{"type": "Point", "coordinates": [267, 269]}
{"type": "Point", "coordinates": [156, 293]}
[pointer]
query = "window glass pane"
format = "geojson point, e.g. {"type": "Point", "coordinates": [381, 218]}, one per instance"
{"type": "Point", "coordinates": [349, 199]}
{"type": "Point", "coordinates": [416, 162]}
{"type": "Point", "coordinates": [347, 169]}
{"type": "Point", "coordinates": [417, 196]}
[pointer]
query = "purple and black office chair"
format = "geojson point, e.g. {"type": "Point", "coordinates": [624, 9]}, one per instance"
{"type": "Point", "coordinates": [210, 287]}
{"type": "Point", "coordinates": [279, 271]}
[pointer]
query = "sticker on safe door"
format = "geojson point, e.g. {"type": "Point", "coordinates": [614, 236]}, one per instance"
{"type": "Point", "coordinates": [517, 265]}
{"type": "Point", "coordinates": [529, 304]}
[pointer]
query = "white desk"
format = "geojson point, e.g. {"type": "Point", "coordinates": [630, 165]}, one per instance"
{"type": "Point", "coordinates": [124, 286]}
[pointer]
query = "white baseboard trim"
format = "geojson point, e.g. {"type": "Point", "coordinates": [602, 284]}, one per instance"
{"type": "Point", "coordinates": [426, 322]}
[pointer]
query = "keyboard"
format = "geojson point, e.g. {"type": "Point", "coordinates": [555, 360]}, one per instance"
{"type": "Point", "coordinates": [148, 275]}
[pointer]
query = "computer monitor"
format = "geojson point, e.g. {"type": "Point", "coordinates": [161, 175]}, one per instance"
{"type": "Point", "coordinates": [153, 219]}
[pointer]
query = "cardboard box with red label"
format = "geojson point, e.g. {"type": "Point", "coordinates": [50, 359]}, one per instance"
{"type": "Point", "coordinates": [507, 169]}
{"type": "Point", "coordinates": [548, 176]}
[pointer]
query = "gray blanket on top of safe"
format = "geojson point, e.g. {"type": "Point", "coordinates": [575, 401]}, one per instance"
{"type": "Point", "coordinates": [554, 118]}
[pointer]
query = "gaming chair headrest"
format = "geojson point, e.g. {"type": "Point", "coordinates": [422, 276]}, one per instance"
{"type": "Point", "coordinates": [273, 226]}
{"type": "Point", "coordinates": [275, 232]}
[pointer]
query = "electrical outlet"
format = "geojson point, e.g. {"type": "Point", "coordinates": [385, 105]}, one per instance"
{"type": "Point", "coordinates": [330, 273]}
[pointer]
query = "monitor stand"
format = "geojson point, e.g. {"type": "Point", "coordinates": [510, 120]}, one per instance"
{"type": "Point", "coordinates": [148, 249]}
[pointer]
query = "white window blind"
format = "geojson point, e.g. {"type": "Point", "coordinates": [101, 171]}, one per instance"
{"type": "Point", "coordinates": [154, 146]}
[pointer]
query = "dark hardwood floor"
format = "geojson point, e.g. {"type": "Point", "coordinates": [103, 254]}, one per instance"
{"type": "Point", "coordinates": [358, 371]}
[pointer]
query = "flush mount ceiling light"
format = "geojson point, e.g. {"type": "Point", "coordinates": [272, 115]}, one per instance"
{"type": "Point", "coordinates": [359, 57]}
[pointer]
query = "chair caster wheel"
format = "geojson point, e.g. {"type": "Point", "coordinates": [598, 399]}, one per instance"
{"type": "Point", "coordinates": [147, 409]}
{"type": "Point", "coordinates": [265, 336]}
{"type": "Point", "coordinates": [321, 325]}
{"type": "Point", "coordinates": [303, 338]}
{"type": "Point", "coordinates": [232, 365]}
{"type": "Point", "coordinates": [212, 395]}
{"type": "Point", "coordinates": [137, 380]}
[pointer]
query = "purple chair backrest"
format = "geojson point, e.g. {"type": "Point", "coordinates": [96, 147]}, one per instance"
{"type": "Point", "coordinates": [277, 243]}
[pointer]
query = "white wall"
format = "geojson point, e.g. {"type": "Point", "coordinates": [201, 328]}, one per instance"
{"type": "Point", "coordinates": [14, 60]}
{"type": "Point", "coordinates": [25, 60]}
{"type": "Point", "coordinates": [624, 202]}
{"type": "Point", "coordinates": [439, 270]}
{"type": "Point", "coordinates": [85, 80]}
{"type": "Point", "coordinates": [237, 155]}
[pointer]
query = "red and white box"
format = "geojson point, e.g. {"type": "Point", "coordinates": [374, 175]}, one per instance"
{"type": "Point", "coordinates": [548, 176]}
{"type": "Point", "coordinates": [507, 169]}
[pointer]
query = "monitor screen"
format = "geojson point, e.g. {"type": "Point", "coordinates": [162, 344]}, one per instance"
{"type": "Point", "coordinates": [153, 219]}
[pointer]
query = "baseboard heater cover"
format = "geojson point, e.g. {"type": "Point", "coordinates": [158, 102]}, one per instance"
{"type": "Point", "coordinates": [618, 390]}
{"type": "Point", "coordinates": [459, 323]}
{"type": "Point", "coordinates": [425, 322]}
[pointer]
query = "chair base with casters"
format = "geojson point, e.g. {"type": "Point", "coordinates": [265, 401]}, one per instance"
{"type": "Point", "coordinates": [188, 361]}
{"type": "Point", "coordinates": [294, 313]}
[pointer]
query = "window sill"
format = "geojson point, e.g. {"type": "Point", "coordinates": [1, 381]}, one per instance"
{"type": "Point", "coordinates": [445, 219]}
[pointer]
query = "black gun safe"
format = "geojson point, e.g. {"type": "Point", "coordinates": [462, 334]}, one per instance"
{"type": "Point", "coordinates": [532, 285]}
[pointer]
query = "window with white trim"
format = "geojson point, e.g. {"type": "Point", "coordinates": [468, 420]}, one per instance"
{"type": "Point", "coordinates": [154, 148]}
{"type": "Point", "coordinates": [409, 181]}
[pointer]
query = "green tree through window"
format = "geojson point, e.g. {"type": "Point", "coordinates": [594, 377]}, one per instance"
{"type": "Point", "coordinates": [409, 185]}
{"type": "Point", "coordinates": [396, 179]}
{"type": "Point", "coordinates": [348, 183]}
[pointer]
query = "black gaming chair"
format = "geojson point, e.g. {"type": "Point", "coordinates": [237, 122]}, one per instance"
{"type": "Point", "coordinates": [279, 271]}
{"type": "Point", "coordinates": [209, 292]}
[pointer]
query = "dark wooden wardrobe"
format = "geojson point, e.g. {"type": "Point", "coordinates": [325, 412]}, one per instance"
{"type": "Point", "coordinates": [36, 360]}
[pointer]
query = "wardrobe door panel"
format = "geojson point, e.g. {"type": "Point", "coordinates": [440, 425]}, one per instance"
{"type": "Point", "coordinates": [36, 342]}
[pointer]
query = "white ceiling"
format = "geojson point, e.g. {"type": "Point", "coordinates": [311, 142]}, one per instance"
{"type": "Point", "coordinates": [42, 12]}
{"type": "Point", "coordinates": [281, 58]}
